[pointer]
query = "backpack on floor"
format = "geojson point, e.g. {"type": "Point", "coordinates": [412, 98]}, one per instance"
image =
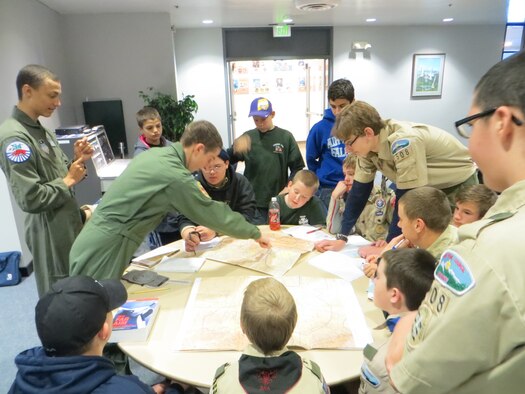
{"type": "Point", "coordinates": [9, 268]}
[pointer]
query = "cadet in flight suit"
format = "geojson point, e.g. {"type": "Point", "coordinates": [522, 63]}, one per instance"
{"type": "Point", "coordinates": [155, 182]}
{"type": "Point", "coordinates": [469, 333]}
{"type": "Point", "coordinates": [409, 154]}
{"type": "Point", "coordinates": [41, 176]}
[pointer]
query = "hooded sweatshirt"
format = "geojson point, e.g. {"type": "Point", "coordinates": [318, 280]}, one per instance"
{"type": "Point", "coordinates": [324, 152]}
{"type": "Point", "coordinates": [39, 373]}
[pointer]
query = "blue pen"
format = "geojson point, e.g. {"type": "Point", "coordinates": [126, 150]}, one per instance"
{"type": "Point", "coordinates": [398, 244]}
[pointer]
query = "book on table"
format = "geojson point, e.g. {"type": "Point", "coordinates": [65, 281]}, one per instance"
{"type": "Point", "coordinates": [132, 322]}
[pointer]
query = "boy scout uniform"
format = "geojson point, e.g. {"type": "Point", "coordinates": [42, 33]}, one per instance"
{"type": "Point", "coordinates": [35, 167]}
{"type": "Point", "coordinates": [374, 376]}
{"type": "Point", "coordinates": [281, 372]}
{"type": "Point", "coordinates": [447, 238]}
{"type": "Point", "coordinates": [469, 333]}
{"type": "Point", "coordinates": [413, 155]}
{"type": "Point", "coordinates": [154, 183]}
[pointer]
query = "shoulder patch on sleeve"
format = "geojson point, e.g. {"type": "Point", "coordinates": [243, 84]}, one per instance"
{"type": "Point", "coordinates": [18, 152]}
{"type": "Point", "coordinates": [202, 189]}
{"type": "Point", "coordinates": [454, 273]}
{"type": "Point", "coordinates": [399, 144]}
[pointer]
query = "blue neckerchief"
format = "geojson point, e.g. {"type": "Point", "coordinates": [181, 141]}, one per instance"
{"type": "Point", "coordinates": [391, 322]}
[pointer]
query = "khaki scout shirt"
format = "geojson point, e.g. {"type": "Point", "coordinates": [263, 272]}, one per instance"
{"type": "Point", "coordinates": [447, 238]}
{"type": "Point", "coordinates": [227, 376]}
{"type": "Point", "coordinates": [374, 376]}
{"type": "Point", "coordinates": [413, 155]}
{"type": "Point", "coordinates": [469, 333]}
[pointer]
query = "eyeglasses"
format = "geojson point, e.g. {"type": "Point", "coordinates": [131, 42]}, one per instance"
{"type": "Point", "coordinates": [349, 144]}
{"type": "Point", "coordinates": [464, 126]}
{"type": "Point", "coordinates": [215, 168]}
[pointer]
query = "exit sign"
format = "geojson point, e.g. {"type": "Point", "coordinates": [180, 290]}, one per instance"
{"type": "Point", "coordinates": [282, 31]}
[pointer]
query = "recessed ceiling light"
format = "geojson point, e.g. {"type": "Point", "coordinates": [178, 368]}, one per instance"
{"type": "Point", "coordinates": [207, 21]}
{"type": "Point", "coordinates": [371, 19]}
{"type": "Point", "coordinates": [448, 19]}
{"type": "Point", "coordinates": [287, 20]}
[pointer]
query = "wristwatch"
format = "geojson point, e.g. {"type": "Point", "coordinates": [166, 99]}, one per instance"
{"type": "Point", "coordinates": [341, 237]}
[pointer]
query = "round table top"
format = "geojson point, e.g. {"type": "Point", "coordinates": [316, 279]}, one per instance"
{"type": "Point", "coordinates": [198, 367]}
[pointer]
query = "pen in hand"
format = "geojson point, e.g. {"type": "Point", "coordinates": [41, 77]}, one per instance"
{"type": "Point", "coordinates": [314, 230]}
{"type": "Point", "coordinates": [398, 244]}
{"type": "Point", "coordinates": [198, 236]}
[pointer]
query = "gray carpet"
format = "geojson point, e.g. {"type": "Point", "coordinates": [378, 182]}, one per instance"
{"type": "Point", "coordinates": [17, 326]}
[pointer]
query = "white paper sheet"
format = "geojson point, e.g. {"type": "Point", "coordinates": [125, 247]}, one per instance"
{"type": "Point", "coordinates": [345, 267]}
{"type": "Point", "coordinates": [308, 233]}
{"type": "Point", "coordinates": [180, 264]}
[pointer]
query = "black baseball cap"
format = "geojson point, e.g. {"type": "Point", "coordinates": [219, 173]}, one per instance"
{"type": "Point", "coordinates": [71, 313]}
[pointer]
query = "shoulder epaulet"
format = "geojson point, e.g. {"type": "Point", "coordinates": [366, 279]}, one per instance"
{"type": "Point", "coordinates": [501, 216]}
{"type": "Point", "coordinates": [218, 373]}
{"type": "Point", "coordinates": [220, 370]}
{"type": "Point", "coordinates": [312, 366]}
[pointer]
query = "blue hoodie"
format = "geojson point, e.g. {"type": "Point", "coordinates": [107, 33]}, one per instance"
{"type": "Point", "coordinates": [39, 373]}
{"type": "Point", "coordinates": [324, 152]}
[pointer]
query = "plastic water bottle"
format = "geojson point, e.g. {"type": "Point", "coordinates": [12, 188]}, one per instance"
{"type": "Point", "coordinates": [274, 215]}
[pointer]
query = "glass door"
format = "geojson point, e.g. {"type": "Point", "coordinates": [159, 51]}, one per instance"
{"type": "Point", "coordinates": [296, 88]}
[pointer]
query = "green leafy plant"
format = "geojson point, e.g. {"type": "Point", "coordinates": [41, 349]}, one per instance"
{"type": "Point", "coordinates": [175, 114]}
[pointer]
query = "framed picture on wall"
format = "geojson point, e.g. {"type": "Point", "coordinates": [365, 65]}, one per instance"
{"type": "Point", "coordinates": [427, 74]}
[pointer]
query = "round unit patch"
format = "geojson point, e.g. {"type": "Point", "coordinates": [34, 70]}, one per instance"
{"type": "Point", "coordinates": [18, 152]}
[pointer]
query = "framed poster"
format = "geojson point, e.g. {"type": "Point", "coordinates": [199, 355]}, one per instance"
{"type": "Point", "coordinates": [427, 74]}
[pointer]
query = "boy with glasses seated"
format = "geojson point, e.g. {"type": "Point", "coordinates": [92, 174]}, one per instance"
{"type": "Point", "coordinates": [222, 183]}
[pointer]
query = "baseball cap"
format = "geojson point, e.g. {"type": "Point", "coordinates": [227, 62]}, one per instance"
{"type": "Point", "coordinates": [261, 107]}
{"type": "Point", "coordinates": [71, 313]}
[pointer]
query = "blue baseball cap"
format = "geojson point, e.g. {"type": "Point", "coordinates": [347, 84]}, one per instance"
{"type": "Point", "coordinates": [261, 107]}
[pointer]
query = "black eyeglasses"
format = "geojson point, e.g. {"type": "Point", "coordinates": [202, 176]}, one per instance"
{"type": "Point", "coordinates": [464, 126]}
{"type": "Point", "coordinates": [349, 144]}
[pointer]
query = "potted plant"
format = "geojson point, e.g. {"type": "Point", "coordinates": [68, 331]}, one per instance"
{"type": "Point", "coordinates": [175, 114]}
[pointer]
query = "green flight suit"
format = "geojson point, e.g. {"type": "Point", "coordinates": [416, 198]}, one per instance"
{"type": "Point", "coordinates": [35, 167]}
{"type": "Point", "coordinates": [155, 182]}
{"type": "Point", "coordinates": [469, 333]}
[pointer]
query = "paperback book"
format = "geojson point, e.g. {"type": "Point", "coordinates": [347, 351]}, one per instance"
{"type": "Point", "coordinates": [132, 322]}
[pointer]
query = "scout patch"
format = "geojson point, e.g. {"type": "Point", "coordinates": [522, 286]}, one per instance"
{"type": "Point", "coordinates": [18, 152]}
{"type": "Point", "coordinates": [278, 148]}
{"type": "Point", "coordinates": [400, 144]}
{"type": "Point", "coordinates": [454, 273]}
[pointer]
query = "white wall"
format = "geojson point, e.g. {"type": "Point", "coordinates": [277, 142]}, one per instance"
{"type": "Point", "coordinates": [201, 72]}
{"type": "Point", "coordinates": [385, 80]}
{"type": "Point", "coordinates": [114, 56]}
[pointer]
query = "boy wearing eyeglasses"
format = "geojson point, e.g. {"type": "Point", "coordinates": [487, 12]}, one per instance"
{"type": "Point", "coordinates": [222, 183]}
{"type": "Point", "coordinates": [469, 333]}
{"type": "Point", "coordinates": [408, 154]}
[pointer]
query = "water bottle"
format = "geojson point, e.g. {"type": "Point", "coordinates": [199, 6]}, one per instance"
{"type": "Point", "coordinates": [274, 215]}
